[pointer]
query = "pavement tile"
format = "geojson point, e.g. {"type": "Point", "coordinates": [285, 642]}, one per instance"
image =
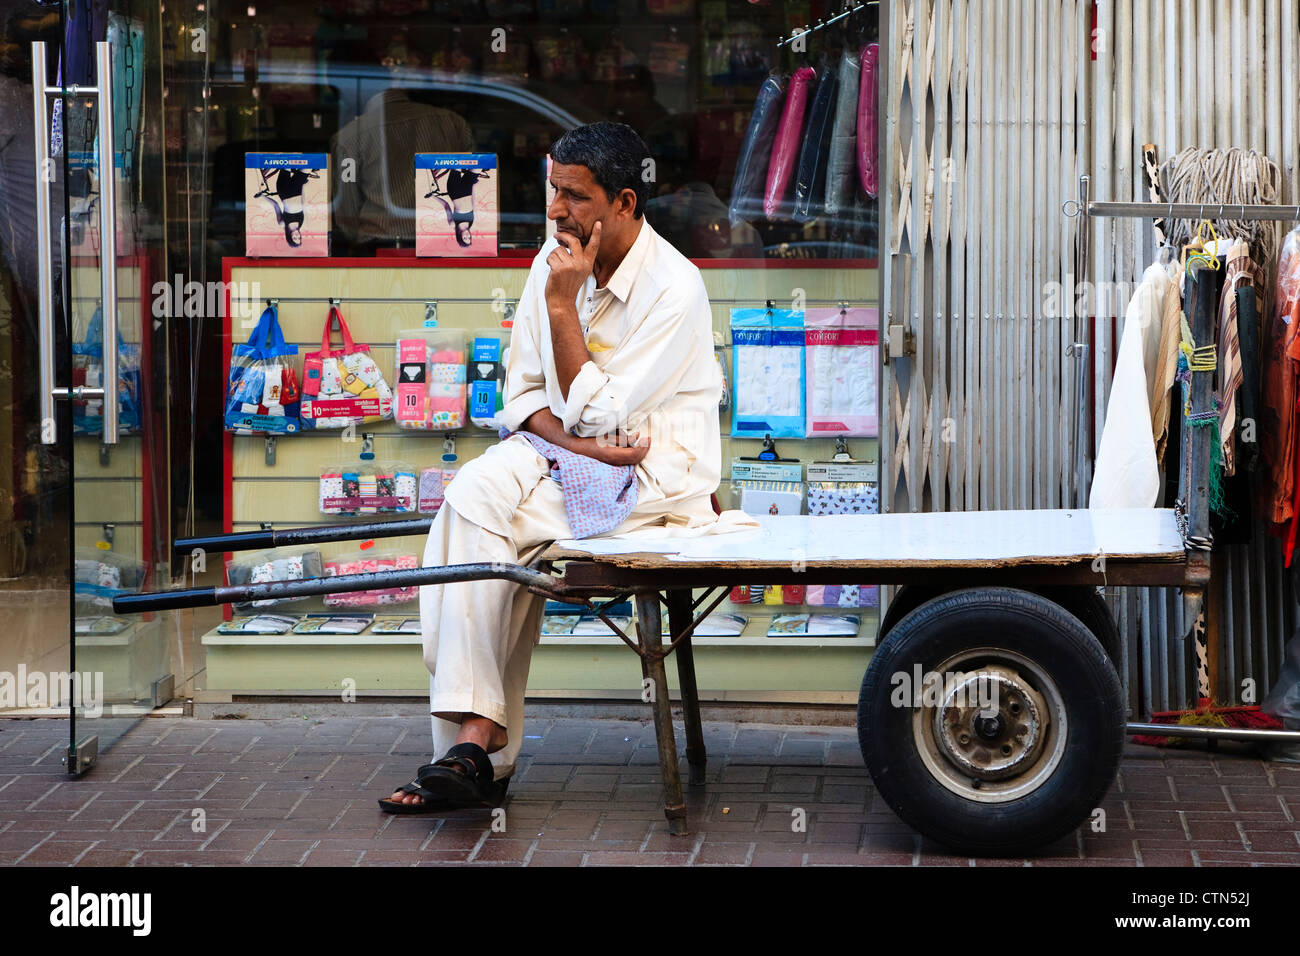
{"type": "Point", "coordinates": [587, 792]}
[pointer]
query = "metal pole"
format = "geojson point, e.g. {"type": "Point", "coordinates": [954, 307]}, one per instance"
{"type": "Point", "coordinates": [44, 266]}
{"type": "Point", "coordinates": [535, 581]}
{"type": "Point", "coordinates": [1212, 733]}
{"type": "Point", "coordinates": [1235, 212]}
{"type": "Point", "coordinates": [272, 538]}
{"type": "Point", "coordinates": [108, 236]}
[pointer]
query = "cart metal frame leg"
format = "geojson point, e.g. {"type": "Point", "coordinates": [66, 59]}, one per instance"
{"type": "Point", "coordinates": [652, 650]}
{"type": "Point", "coordinates": [650, 647]}
{"type": "Point", "coordinates": [679, 622]}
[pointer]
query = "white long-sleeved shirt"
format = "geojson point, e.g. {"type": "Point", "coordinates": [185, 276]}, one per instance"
{"type": "Point", "coordinates": [651, 369]}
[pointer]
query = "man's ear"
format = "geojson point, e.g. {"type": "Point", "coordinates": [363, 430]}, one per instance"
{"type": "Point", "coordinates": [627, 204]}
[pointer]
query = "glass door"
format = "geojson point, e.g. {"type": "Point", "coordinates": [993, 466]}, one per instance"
{"type": "Point", "coordinates": [36, 482]}
{"type": "Point", "coordinates": [94, 98]}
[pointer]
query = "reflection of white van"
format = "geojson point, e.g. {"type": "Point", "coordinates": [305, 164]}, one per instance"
{"type": "Point", "coordinates": [516, 120]}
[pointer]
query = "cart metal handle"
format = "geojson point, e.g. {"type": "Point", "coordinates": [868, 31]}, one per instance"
{"type": "Point", "coordinates": [271, 538]}
{"type": "Point", "coordinates": [535, 581]}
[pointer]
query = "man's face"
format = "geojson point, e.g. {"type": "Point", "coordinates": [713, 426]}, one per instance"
{"type": "Point", "coordinates": [579, 202]}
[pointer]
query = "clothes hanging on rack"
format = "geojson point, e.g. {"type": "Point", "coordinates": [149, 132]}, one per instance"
{"type": "Point", "coordinates": [1166, 370]}
{"type": "Point", "coordinates": [1250, 299]}
{"type": "Point", "coordinates": [810, 177]}
{"type": "Point", "coordinates": [785, 150]}
{"type": "Point", "coordinates": [1127, 473]}
{"type": "Point", "coordinates": [1279, 391]}
{"type": "Point", "coordinates": [1241, 271]}
{"type": "Point", "coordinates": [755, 153]}
{"type": "Point", "coordinates": [867, 171]}
{"type": "Point", "coordinates": [842, 160]}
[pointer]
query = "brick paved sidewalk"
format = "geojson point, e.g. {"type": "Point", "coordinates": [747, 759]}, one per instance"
{"type": "Point", "coordinates": [302, 791]}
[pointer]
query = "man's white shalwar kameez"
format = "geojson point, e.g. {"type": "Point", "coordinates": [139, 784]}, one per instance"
{"type": "Point", "coordinates": [651, 369]}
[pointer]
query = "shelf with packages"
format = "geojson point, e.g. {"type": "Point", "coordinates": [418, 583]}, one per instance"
{"type": "Point", "coordinates": [382, 300]}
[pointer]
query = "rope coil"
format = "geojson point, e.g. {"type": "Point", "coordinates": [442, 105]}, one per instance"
{"type": "Point", "coordinates": [1228, 177]}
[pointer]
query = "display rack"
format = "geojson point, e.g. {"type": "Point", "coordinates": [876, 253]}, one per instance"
{"type": "Point", "coordinates": [383, 295]}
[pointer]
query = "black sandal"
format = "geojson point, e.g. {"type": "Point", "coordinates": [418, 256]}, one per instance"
{"type": "Point", "coordinates": [464, 775]}
{"type": "Point", "coordinates": [431, 802]}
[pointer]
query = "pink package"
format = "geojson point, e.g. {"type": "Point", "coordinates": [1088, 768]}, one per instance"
{"type": "Point", "coordinates": [412, 372]}
{"type": "Point", "coordinates": [370, 566]}
{"type": "Point", "coordinates": [841, 355]}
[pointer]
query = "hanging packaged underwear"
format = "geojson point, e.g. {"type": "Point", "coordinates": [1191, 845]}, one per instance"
{"type": "Point", "coordinates": [435, 479]}
{"type": "Point", "coordinates": [264, 567]}
{"type": "Point", "coordinates": [88, 370]}
{"type": "Point", "coordinates": [487, 379]}
{"type": "Point", "coordinates": [430, 380]}
{"type": "Point", "coordinates": [842, 356]}
{"type": "Point", "coordinates": [99, 576]}
{"type": "Point", "coordinates": [342, 387]}
{"type": "Point", "coordinates": [767, 373]}
{"type": "Point", "coordinates": [262, 392]}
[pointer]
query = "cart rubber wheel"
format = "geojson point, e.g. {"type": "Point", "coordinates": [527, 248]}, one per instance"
{"type": "Point", "coordinates": [1091, 608]}
{"type": "Point", "coordinates": [1083, 602]}
{"type": "Point", "coordinates": [991, 720]}
{"type": "Point", "coordinates": [907, 599]}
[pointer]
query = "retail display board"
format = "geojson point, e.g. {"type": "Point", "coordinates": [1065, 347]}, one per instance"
{"type": "Point", "coordinates": [447, 305]}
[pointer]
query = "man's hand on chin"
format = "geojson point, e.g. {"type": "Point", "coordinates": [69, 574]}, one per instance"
{"type": "Point", "coordinates": [571, 262]}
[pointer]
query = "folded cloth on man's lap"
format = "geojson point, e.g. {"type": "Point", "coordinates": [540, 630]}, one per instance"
{"type": "Point", "coordinates": [598, 497]}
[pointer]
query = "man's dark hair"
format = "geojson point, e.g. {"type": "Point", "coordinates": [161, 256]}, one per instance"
{"type": "Point", "coordinates": [613, 152]}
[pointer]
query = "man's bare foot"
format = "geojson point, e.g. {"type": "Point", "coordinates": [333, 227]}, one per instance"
{"type": "Point", "coordinates": [487, 733]}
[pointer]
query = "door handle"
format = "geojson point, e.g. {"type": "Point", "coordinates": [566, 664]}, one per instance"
{"type": "Point", "coordinates": [103, 91]}
{"type": "Point", "coordinates": [107, 235]}
{"type": "Point", "coordinates": [44, 267]}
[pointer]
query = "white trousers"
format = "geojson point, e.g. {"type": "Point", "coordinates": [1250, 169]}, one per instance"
{"type": "Point", "coordinates": [479, 635]}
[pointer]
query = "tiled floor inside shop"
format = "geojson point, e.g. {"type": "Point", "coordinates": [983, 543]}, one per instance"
{"type": "Point", "coordinates": [302, 791]}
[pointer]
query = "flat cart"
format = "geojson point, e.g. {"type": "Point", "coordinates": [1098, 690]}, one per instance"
{"type": "Point", "coordinates": [991, 715]}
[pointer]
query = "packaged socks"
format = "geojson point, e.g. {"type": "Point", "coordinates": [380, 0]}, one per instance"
{"type": "Point", "coordinates": [370, 488]}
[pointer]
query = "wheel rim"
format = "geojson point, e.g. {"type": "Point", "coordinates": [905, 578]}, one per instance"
{"type": "Point", "coordinates": [993, 729]}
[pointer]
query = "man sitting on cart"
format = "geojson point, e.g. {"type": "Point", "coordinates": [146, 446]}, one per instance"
{"type": "Point", "coordinates": [611, 360]}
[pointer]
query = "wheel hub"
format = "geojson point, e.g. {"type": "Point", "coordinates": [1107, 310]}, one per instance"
{"type": "Point", "coordinates": [991, 723]}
